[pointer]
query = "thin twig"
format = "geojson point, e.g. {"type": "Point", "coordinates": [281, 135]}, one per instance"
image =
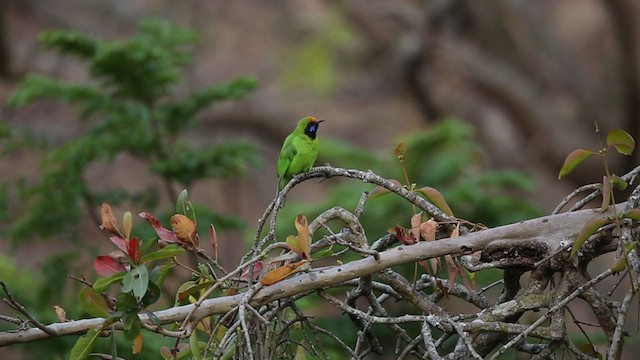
{"type": "Point", "coordinates": [18, 307]}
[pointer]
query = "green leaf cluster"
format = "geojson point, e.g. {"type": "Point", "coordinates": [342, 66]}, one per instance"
{"type": "Point", "coordinates": [128, 106]}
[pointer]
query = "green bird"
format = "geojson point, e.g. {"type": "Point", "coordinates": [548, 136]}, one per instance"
{"type": "Point", "coordinates": [299, 150]}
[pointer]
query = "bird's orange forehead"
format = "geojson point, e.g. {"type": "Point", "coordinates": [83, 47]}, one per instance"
{"type": "Point", "coordinates": [312, 119]}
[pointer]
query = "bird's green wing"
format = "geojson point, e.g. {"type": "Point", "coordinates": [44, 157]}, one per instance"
{"type": "Point", "coordinates": [287, 153]}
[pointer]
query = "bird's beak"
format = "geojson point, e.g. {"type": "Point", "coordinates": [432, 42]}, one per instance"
{"type": "Point", "coordinates": [319, 121]}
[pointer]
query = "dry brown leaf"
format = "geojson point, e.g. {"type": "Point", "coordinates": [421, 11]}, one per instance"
{"type": "Point", "coordinates": [185, 229]}
{"type": "Point", "coordinates": [428, 230]}
{"type": "Point", "coordinates": [415, 226]}
{"type": "Point", "coordinates": [109, 222]}
{"type": "Point", "coordinates": [302, 225]}
{"type": "Point", "coordinates": [60, 313]}
{"type": "Point", "coordinates": [452, 270]}
{"type": "Point", "coordinates": [278, 274]}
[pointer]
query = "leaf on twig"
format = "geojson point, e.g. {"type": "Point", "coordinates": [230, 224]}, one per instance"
{"type": "Point", "coordinates": [606, 194]}
{"type": "Point", "coordinates": [621, 140]}
{"type": "Point", "coordinates": [302, 225]}
{"type": "Point", "coordinates": [109, 222]}
{"type": "Point", "coordinates": [620, 264]}
{"type": "Point", "coordinates": [402, 235]}
{"type": "Point", "coordinates": [133, 251]}
{"type": "Point", "coordinates": [257, 269]}
{"type": "Point", "coordinates": [94, 303]}
{"type": "Point", "coordinates": [107, 266]}
{"type": "Point", "coordinates": [618, 182]}
{"type": "Point", "coordinates": [60, 313]}
{"type": "Point", "coordinates": [166, 252]}
{"type": "Point", "coordinates": [588, 229]}
{"type": "Point", "coordinates": [120, 243]}
{"type": "Point", "coordinates": [415, 226]}
{"type": "Point", "coordinates": [278, 274]}
{"type": "Point", "coordinates": [186, 230]}
{"type": "Point", "coordinates": [400, 152]}
{"type": "Point", "coordinates": [435, 197]}
{"type": "Point", "coordinates": [181, 202]}
{"type": "Point", "coordinates": [428, 233]}
{"type": "Point", "coordinates": [294, 244]}
{"type": "Point", "coordinates": [633, 214]}
{"type": "Point", "coordinates": [127, 223]}
{"type": "Point", "coordinates": [136, 348]}
{"type": "Point", "coordinates": [84, 345]}
{"type": "Point", "coordinates": [163, 233]}
{"type": "Point", "coordinates": [102, 284]}
{"type": "Point", "coordinates": [136, 281]}
{"type": "Point", "coordinates": [379, 190]}
{"type": "Point", "coordinates": [573, 159]}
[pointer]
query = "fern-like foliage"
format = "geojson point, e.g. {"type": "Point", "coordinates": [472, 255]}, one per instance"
{"type": "Point", "coordinates": [130, 106]}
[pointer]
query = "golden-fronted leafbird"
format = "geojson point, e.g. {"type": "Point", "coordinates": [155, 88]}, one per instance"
{"type": "Point", "coordinates": [299, 150]}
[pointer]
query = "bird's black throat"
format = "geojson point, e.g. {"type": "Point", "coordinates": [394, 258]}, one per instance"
{"type": "Point", "coordinates": [311, 129]}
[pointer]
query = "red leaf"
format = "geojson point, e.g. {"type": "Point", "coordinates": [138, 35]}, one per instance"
{"type": "Point", "coordinates": [257, 268]}
{"type": "Point", "coordinates": [151, 219]}
{"type": "Point", "coordinates": [164, 234]}
{"type": "Point", "coordinates": [134, 245]}
{"type": "Point", "coordinates": [119, 242]}
{"type": "Point", "coordinates": [107, 266]}
{"type": "Point", "coordinates": [402, 235]}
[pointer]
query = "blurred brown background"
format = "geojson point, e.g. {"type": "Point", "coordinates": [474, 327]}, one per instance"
{"type": "Point", "coordinates": [532, 76]}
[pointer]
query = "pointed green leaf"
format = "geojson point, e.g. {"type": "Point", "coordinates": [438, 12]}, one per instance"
{"type": "Point", "coordinates": [160, 273]}
{"type": "Point", "coordinates": [576, 157]}
{"type": "Point", "coordinates": [181, 202]}
{"type": "Point", "coordinates": [193, 344]}
{"type": "Point", "coordinates": [193, 288]}
{"type": "Point", "coordinates": [152, 295]}
{"type": "Point", "coordinates": [621, 140]}
{"type": "Point", "coordinates": [102, 284]}
{"type": "Point", "coordinates": [435, 197]}
{"type": "Point", "coordinates": [127, 282]}
{"type": "Point", "coordinates": [620, 264]}
{"type": "Point", "coordinates": [94, 303]}
{"type": "Point", "coordinates": [633, 214]}
{"type": "Point", "coordinates": [164, 253]}
{"type": "Point", "coordinates": [294, 244]}
{"type": "Point", "coordinates": [140, 282]}
{"type": "Point", "coordinates": [588, 229]}
{"type": "Point", "coordinates": [84, 345]}
{"type": "Point", "coordinates": [125, 302]}
{"type": "Point", "coordinates": [618, 182]}
{"type": "Point", "coordinates": [182, 294]}
{"type": "Point", "coordinates": [132, 325]}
